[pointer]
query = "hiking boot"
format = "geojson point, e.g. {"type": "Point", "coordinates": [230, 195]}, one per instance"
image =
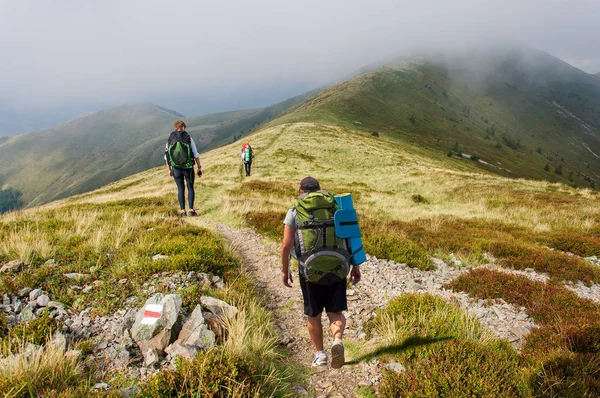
{"type": "Point", "coordinates": [337, 354]}
{"type": "Point", "coordinates": [192, 213]}
{"type": "Point", "coordinates": [320, 359]}
{"type": "Point", "coordinates": [183, 214]}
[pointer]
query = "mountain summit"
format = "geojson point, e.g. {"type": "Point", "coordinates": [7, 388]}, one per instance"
{"type": "Point", "coordinates": [516, 111]}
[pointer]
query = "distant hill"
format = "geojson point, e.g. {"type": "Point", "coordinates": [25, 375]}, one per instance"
{"type": "Point", "coordinates": [93, 150]}
{"type": "Point", "coordinates": [519, 111]}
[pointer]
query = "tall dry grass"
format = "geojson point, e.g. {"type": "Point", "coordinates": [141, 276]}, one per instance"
{"type": "Point", "coordinates": [39, 371]}
{"type": "Point", "coordinates": [25, 243]}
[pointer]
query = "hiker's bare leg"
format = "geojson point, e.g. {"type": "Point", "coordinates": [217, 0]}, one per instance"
{"type": "Point", "coordinates": [315, 330]}
{"type": "Point", "coordinates": [337, 324]}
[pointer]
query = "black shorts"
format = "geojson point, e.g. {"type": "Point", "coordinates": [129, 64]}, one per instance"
{"type": "Point", "coordinates": [316, 297]}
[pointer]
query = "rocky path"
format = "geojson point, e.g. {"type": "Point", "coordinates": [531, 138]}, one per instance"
{"type": "Point", "coordinates": [382, 280]}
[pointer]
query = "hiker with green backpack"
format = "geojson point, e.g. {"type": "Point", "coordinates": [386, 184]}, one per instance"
{"type": "Point", "coordinates": [181, 155]}
{"type": "Point", "coordinates": [323, 264]}
{"type": "Point", "coordinates": [247, 157]}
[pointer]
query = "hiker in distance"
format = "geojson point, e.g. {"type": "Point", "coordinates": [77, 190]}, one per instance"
{"type": "Point", "coordinates": [247, 156]}
{"type": "Point", "coordinates": [180, 156]}
{"type": "Point", "coordinates": [323, 263]}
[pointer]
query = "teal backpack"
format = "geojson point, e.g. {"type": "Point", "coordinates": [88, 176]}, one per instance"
{"type": "Point", "coordinates": [322, 257]}
{"type": "Point", "coordinates": [248, 154]}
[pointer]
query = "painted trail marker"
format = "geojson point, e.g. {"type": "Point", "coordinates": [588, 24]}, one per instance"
{"type": "Point", "coordinates": [152, 313]}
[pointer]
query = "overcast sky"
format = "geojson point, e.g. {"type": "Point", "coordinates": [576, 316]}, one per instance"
{"type": "Point", "coordinates": [199, 56]}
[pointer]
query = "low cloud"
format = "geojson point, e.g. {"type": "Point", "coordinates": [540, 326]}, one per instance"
{"type": "Point", "coordinates": [112, 52]}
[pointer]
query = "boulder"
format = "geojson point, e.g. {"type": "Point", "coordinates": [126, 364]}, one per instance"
{"type": "Point", "coordinates": [117, 356]}
{"type": "Point", "coordinates": [27, 314]}
{"type": "Point", "coordinates": [196, 333]}
{"type": "Point", "coordinates": [184, 351]}
{"type": "Point", "coordinates": [24, 292]}
{"type": "Point", "coordinates": [218, 307]}
{"type": "Point", "coordinates": [158, 323]}
{"type": "Point", "coordinates": [35, 293]}
{"type": "Point", "coordinates": [150, 357]}
{"type": "Point", "coordinates": [12, 266]}
{"type": "Point", "coordinates": [43, 300]}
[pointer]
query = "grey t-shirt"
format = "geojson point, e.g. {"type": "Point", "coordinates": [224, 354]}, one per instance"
{"type": "Point", "coordinates": [290, 218]}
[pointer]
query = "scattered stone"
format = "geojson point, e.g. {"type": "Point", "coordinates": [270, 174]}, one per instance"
{"type": "Point", "coordinates": [35, 293]}
{"type": "Point", "coordinates": [43, 300]}
{"type": "Point", "coordinates": [55, 304]}
{"type": "Point", "coordinates": [185, 351]}
{"type": "Point", "coordinates": [159, 257]}
{"type": "Point", "coordinates": [100, 386]}
{"type": "Point", "coordinates": [130, 392]}
{"type": "Point", "coordinates": [218, 307]}
{"type": "Point", "coordinates": [50, 262]}
{"type": "Point", "coordinates": [117, 356]}
{"type": "Point", "coordinates": [196, 333]}
{"type": "Point", "coordinates": [395, 367]}
{"type": "Point", "coordinates": [75, 275]}
{"type": "Point", "coordinates": [12, 266]}
{"type": "Point", "coordinates": [150, 357]}
{"type": "Point", "coordinates": [24, 292]}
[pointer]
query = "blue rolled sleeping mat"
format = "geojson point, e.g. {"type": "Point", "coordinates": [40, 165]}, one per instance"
{"type": "Point", "coordinates": [346, 227]}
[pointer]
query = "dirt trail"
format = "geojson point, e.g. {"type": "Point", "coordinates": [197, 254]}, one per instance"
{"type": "Point", "coordinates": [261, 259]}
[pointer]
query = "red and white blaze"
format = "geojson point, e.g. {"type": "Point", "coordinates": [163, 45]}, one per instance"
{"type": "Point", "coordinates": [152, 313]}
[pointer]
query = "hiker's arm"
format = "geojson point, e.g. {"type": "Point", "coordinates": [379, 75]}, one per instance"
{"type": "Point", "coordinates": [167, 160]}
{"type": "Point", "coordinates": [196, 156]}
{"type": "Point", "coordinates": [286, 249]}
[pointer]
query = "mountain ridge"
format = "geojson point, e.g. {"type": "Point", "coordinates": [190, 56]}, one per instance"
{"type": "Point", "coordinates": [530, 115]}
{"type": "Point", "coordinates": [95, 149]}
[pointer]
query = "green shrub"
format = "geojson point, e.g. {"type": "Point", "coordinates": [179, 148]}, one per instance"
{"type": "Point", "coordinates": [417, 198]}
{"type": "Point", "coordinates": [458, 369]}
{"type": "Point", "coordinates": [35, 331]}
{"type": "Point", "coordinates": [427, 315]}
{"type": "Point", "coordinates": [211, 374]}
{"type": "Point", "coordinates": [568, 375]}
{"type": "Point", "coordinates": [397, 249]}
{"type": "Point", "coordinates": [3, 325]}
{"type": "Point", "coordinates": [269, 224]}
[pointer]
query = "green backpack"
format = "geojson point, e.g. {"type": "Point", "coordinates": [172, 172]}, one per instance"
{"type": "Point", "coordinates": [180, 155]}
{"type": "Point", "coordinates": [322, 257]}
{"type": "Point", "coordinates": [248, 154]}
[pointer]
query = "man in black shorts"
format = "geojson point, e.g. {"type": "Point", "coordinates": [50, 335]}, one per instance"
{"type": "Point", "coordinates": [332, 298]}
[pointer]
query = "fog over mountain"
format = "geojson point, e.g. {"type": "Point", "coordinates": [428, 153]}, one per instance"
{"type": "Point", "coordinates": [200, 57]}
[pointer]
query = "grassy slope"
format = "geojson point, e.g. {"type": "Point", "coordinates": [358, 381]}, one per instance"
{"type": "Point", "coordinates": [94, 150]}
{"type": "Point", "coordinates": [447, 106]}
{"type": "Point", "coordinates": [457, 203]}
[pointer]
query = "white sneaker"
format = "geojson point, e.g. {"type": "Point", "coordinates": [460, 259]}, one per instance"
{"type": "Point", "coordinates": [337, 354]}
{"type": "Point", "coordinates": [320, 359]}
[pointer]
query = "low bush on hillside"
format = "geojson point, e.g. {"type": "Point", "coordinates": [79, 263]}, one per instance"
{"type": "Point", "coordinates": [269, 224]}
{"type": "Point", "coordinates": [575, 243]}
{"type": "Point", "coordinates": [279, 188]}
{"type": "Point", "coordinates": [396, 248]}
{"type": "Point", "coordinates": [564, 352]}
{"type": "Point", "coordinates": [558, 265]}
{"type": "Point", "coordinates": [35, 331]}
{"type": "Point", "coordinates": [112, 246]}
{"type": "Point", "coordinates": [458, 369]}
{"type": "Point", "coordinates": [445, 351]}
